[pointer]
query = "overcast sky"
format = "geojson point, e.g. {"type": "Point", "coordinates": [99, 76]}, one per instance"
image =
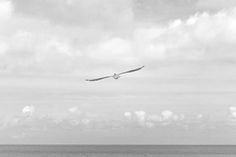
{"type": "Point", "coordinates": [185, 94]}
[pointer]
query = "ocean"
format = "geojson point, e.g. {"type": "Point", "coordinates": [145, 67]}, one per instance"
{"type": "Point", "coordinates": [116, 151]}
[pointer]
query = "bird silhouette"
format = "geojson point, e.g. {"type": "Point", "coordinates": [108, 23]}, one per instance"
{"type": "Point", "coordinates": [115, 75]}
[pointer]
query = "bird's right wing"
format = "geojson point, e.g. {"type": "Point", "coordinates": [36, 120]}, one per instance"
{"type": "Point", "coordinates": [133, 70]}
{"type": "Point", "coordinates": [97, 79]}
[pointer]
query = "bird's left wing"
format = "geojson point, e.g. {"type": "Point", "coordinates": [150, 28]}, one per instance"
{"type": "Point", "coordinates": [131, 70]}
{"type": "Point", "coordinates": [97, 79]}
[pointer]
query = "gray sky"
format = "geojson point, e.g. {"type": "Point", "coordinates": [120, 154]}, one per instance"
{"type": "Point", "coordinates": [185, 94]}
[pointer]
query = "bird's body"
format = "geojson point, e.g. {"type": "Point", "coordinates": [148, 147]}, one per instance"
{"type": "Point", "coordinates": [115, 75]}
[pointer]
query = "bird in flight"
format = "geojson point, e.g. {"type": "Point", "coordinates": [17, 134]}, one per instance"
{"type": "Point", "coordinates": [115, 76]}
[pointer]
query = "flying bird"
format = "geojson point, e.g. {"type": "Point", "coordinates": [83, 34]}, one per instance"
{"type": "Point", "coordinates": [115, 75]}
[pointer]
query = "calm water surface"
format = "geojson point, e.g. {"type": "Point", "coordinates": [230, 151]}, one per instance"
{"type": "Point", "coordinates": [115, 151]}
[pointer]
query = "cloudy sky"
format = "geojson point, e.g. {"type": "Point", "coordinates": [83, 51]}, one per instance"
{"type": "Point", "coordinates": [185, 94]}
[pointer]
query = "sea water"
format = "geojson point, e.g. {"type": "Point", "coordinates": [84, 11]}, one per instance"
{"type": "Point", "coordinates": [116, 151]}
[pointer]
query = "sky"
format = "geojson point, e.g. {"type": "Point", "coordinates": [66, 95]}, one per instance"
{"type": "Point", "coordinates": [185, 94]}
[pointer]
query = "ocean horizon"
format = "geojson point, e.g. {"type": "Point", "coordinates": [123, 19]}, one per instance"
{"type": "Point", "coordinates": [117, 150]}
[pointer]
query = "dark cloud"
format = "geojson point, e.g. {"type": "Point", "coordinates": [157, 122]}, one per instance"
{"type": "Point", "coordinates": [215, 5]}
{"type": "Point", "coordinates": [94, 13]}
{"type": "Point", "coordinates": [163, 10]}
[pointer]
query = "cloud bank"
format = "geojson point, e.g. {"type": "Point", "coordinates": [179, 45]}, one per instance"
{"type": "Point", "coordinates": [45, 45]}
{"type": "Point", "coordinates": [145, 119]}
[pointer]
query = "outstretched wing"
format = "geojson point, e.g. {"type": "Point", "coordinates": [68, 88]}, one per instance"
{"type": "Point", "coordinates": [131, 70]}
{"type": "Point", "coordinates": [97, 79]}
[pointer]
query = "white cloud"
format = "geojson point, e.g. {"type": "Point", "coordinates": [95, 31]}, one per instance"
{"type": "Point", "coordinates": [6, 9]}
{"type": "Point", "coordinates": [79, 117]}
{"type": "Point", "coordinates": [114, 49]}
{"type": "Point", "coordinates": [28, 110]}
{"type": "Point", "coordinates": [141, 115]}
{"type": "Point", "coordinates": [199, 116]}
{"type": "Point", "coordinates": [150, 120]}
{"type": "Point", "coordinates": [3, 48]}
{"type": "Point", "coordinates": [73, 117]}
{"type": "Point", "coordinates": [74, 109]}
{"type": "Point", "coordinates": [232, 110]}
{"type": "Point", "coordinates": [166, 114]}
{"type": "Point", "coordinates": [234, 114]}
{"type": "Point", "coordinates": [196, 38]}
{"type": "Point", "coordinates": [128, 114]}
{"type": "Point", "coordinates": [146, 120]}
{"type": "Point", "coordinates": [61, 47]}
